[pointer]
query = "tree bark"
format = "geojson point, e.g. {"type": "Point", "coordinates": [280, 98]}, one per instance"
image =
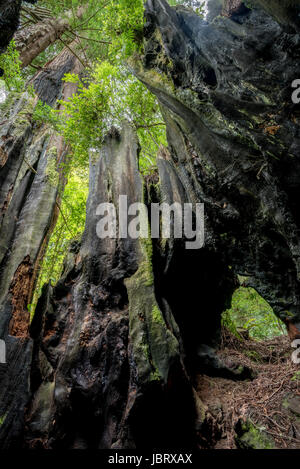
{"type": "Point", "coordinates": [112, 358]}
{"type": "Point", "coordinates": [244, 166]}
{"type": "Point", "coordinates": [31, 185]}
{"type": "Point", "coordinates": [34, 39]}
{"type": "Point", "coordinates": [9, 20]}
{"type": "Point", "coordinates": [119, 342]}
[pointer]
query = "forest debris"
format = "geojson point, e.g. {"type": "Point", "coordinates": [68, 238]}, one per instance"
{"type": "Point", "coordinates": [262, 401]}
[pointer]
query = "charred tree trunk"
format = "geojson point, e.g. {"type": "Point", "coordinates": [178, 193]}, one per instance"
{"type": "Point", "coordinates": [9, 20]}
{"type": "Point", "coordinates": [31, 183]}
{"type": "Point", "coordinates": [233, 134]}
{"type": "Point", "coordinates": [107, 370]}
{"type": "Point", "coordinates": [287, 12]}
{"type": "Point", "coordinates": [119, 340]}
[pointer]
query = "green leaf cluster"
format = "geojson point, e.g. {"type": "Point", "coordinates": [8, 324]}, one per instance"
{"type": "Point", "coordinates": [11, 68]}
{"type": "Point", "coordinates": [198, 6]}
{"type": "Point", "coordinates": [110, 96]}
{"type": "Point", "coordinates": [69, 226]}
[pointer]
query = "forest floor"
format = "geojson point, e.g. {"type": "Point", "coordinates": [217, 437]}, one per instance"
{"type": "Point", "coordinates": [258, 413]}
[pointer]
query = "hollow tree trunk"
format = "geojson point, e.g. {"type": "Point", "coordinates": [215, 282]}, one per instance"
{"type": "Point", "coordinates": [31, 185]}
{"type": "Point", "coordinates": [233, 134]}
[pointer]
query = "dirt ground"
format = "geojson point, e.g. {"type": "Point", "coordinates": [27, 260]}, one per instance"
{"type": "Point", "coordinates": [269, 402]}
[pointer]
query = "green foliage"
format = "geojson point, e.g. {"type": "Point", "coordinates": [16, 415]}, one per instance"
{"type": "Point", "coordinates": [253, 355]}
{"type": "Point", "coordinates": [110, 96]}
{"type": "Point", "coordinates": [44, 114]}
{"type": "Point", "coordinates": [124, 21]}
{"type": "Point", "coordinates": [107, 29]}
{"type": "Point", "coordinates": [10, 64]}
{"type": "Point", "coordinates": [251, 312]}
{"type": "Point", "coordinates": [253, 437]}
{"type": "Point", "coordinates": [69, 226]}
{"type": "Point", "coordinates": [2, 419]}
{"type": "Point", "coordinates": [228, 322]}
{"type": "Point", "coordinates": [296, 376]}
{"type": "Point", "coordinates": [58, 8]}
{"type": "Point", "coordinates": [109, 32]}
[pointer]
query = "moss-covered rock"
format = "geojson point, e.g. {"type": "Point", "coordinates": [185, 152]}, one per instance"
{"type": "Point", "coordinates": [249, 436]}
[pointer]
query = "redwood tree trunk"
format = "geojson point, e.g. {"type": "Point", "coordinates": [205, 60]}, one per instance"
{"type": "Point", "coordinates": [34, 39]}
{"type": "Point", "coordinates": [9, 20]}
{"type": "Point", "coordinates": [30, 183]}
{"type": "Point", "coordinates": [107, 369]}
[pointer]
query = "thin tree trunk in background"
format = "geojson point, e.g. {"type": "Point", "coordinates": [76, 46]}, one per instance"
{"type": "Point", "coordinates": [34, 39]}
{"type": "Point", "coordinates": [31, 186]}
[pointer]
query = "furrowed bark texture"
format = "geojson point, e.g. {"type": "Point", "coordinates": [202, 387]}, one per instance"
{"type": "Point", "coordinates": [106, 361]}
{"type": "Point", "coordinates": [9, 20]}
{"type": "Point", "coordinates": [233, 131]}
{"type": "Point", "coordinates": [34, 39]}
{"type": "Point", "coordinates": [30, 188]}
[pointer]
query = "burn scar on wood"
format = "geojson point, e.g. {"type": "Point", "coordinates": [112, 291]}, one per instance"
{"type": "Point", "coordinates": [19, 289]}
